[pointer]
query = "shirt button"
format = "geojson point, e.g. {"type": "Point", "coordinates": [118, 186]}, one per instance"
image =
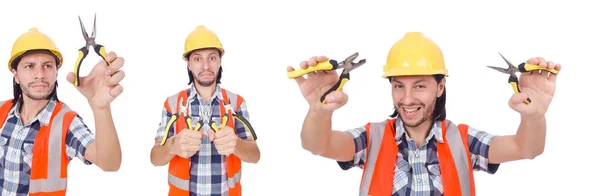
{"type": "Point", "coordinates": [204, 146]}
{"type": "Point", "coordinates": [416, 155]}
{"type": "Point", "coordinates": [419, 180]}
{"type": "Point", "coordinates": [14, 152]}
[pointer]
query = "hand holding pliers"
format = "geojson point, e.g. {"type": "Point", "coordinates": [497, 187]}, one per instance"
{"type": "Point", "coordinates": [513, 80]}
{"type": "Point", "coordinates": [347, 64]}
{"type": "Point", "coordinates": [83, 51]}
{"type": "Point", "coordinates": [184, 111]}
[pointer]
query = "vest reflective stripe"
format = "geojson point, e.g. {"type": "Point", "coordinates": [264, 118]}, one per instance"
{"type": "Point", "coordinates": [179, 168]}
{"type": "Point", "coordinates": [455, 162]}
{"type": "Point", "coordinates": [48, 174]}
{"type": "Point", "coordinates": [459, 156]}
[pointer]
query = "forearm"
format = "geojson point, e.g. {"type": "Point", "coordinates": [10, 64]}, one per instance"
{"type": "Point", "coordinates": [531, 136]}
{"type": "Point", "coordinates": [108, 148]}
{"type": "Point", "coordinates": [316, 131]}
{"type": "Point", "coordinates": [247, 151]}
{"type": "Point", "coordinates": [161, 155]}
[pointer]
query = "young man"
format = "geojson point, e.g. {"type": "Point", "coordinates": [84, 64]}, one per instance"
{"type": "Point", "coordinates": [40, 135]}
{"type": "Point", "coordinates": [202, 161]}
{"type": "Point", "coordinates": [419, 151]}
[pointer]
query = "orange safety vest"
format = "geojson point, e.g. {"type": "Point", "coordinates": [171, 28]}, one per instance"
{"type": "Point", "coordinates": [179, 168]}
{"type": "Point", "coordinates": [48, 175]}
{"type": "Point", "coordinates": [454, 159]}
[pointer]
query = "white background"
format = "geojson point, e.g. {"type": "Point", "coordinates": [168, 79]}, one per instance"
{"type": "Point", "coordinates": [263, 38]}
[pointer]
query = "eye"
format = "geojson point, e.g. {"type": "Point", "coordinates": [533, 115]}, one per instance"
{"type": "Point", "coordinates": [398, 86]}
{"type": "Point", "coordinates": [420, 86]}
{"type": "Point", "coordinates": [27, 66]}
{"type": "Point", "coordinates": [48, 66]}
{"type": "Point", "coordinates": [196, 59]}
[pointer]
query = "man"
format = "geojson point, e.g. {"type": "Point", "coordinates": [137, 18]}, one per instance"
{"type": "Point", "coordinates": [419, 151]}
{"type": "Point", "coordinates": [204, 162]}
{"type": "Point", "coordinates": [40, 134]}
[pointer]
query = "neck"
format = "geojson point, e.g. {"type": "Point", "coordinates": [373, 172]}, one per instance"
{"type": "Point", "coordinates": [31, 108]}
{"type": "Point", "coordinates": [420, 132]}
{"type": "Point", "coordinates": [205, 92]}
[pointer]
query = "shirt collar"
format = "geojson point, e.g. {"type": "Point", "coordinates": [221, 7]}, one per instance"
{"type": "Point", "coordinates": [44, 115]}
{"type": "Point", "coordinates": [436, 131]}
{"type": "Point", "coordinates": [194, 94]}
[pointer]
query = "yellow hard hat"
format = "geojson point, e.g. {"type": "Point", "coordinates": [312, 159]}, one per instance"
{"type": "Point", "coordinates": [414, 54]}
{"type": "Point", "coordinates": [33, 40]}
{"type": "Point", "coordinates": [200, 38]}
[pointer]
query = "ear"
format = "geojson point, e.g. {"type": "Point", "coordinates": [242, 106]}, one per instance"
{"type": "Point", "coordinates": [441, 87]}
{"type": "Point", "coordinates": [15, 75]}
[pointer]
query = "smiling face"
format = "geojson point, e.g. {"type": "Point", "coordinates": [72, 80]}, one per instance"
{"type": "Point", "coordinates": [415, 98]}
{"type": "Point", "coordinates": [36, 75]}
{"type": "Point", "coordinates": [204, 65]}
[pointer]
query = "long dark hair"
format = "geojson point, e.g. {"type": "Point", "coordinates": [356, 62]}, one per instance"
{"type": "Point", "coordinates": [439, 111]}
{"type": "Point", "coordinates": [17, 91]}
{"type": "Point", "coordinates": [191, 75]}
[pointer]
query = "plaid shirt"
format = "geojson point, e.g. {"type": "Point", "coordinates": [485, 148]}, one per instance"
{"type": "Point", "coordinates": [16, 147]}
{"type": "Point", "coordinates": [208, 175]}
{"type": "Point", "coordinates": [417, 168]}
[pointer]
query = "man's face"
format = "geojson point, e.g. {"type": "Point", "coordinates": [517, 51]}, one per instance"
{"type": "Point", "coordinates": [414, 98]}
{"type": "Point", "coordinates": [36, 75]}
{"type": "Point", "coordinates": [204, 65]}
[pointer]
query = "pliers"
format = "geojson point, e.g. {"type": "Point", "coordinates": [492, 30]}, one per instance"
{"type": "Point", "coordinates": [230, 115]}
{"type": "Point", "coordinates": [347, 64]}
{"type": "Point", "coordinates": [513, 80]}
{"type": "Point", "coordinates": [184, 111]}
{"type": "Point", "coordinates": [83, 51]}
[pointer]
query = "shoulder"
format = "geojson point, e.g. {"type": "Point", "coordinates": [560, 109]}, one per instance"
{"type": "Point", "coordinates": [231, 94]}
{"type": "Point", "coordinates": [380, 125]}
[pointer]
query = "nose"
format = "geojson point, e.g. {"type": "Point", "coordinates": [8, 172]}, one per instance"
{"type": "Point", "coordinates": [408, 97]}
{"type": "Point", "coordinates": [205, 65]}
{"type": "Point", "coordinates": [38, 72]}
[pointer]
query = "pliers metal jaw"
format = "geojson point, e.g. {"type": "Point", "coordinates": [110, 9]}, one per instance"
{"type": "Point", "coordinates": [90, 41]}
{"type": "Point", "coordinates": [513, 80]}
{"type": "Point", "coordinates": [347, 64]}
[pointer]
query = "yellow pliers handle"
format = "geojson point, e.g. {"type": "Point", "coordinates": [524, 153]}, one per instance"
{"type": "Point", "coordinates": [526, 67]}
{"type": "Point", "coordinates": [514, 82]}
{"type": "Point", "coordinates": [339, 85]}
{"type": "Point", "coordinates": [224, 120]}
{"type": "Point", "coordinates": [83, 52]}
{"type": "Point", "coordinates": [327, 65]}
{"type": "Point", "coordinates": [169, 124]}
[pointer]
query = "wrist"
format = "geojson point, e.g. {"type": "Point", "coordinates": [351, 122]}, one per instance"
{"type": "Point", "coordinates": [169, 145]}
{"type": "Point", "coordinates": [319, 111]}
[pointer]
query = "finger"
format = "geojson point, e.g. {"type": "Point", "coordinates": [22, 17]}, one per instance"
{"type": "Point", "coordinates": [195, 134]}
{"type": "Point", "coordinates": [533, 61]}
{"type": "Point", "coordinates": [542, 62]}
{"type": "Point", "coordinates": [110, 57]}
{"type": "Point", "coordinates": [552, 77]}
{"type": "Point", "coordinates": [300, 79]}
{"type": "Point", "coordinates": [211, 135]}
{"type": "Point", "coordinates": [303, 64]}
{"type": "Point", "coordinates": [116, 64]}
{"type": "Point", "coordinates": [322, 58]}
{"type": "Point", "coordinates": [550, 65]}
{"type": "Point", "coordinates": [220, 134]}
{"type": "Point", "coordinates": [116, 90]}
{"type": "Point", "coordinates": [313, 61]}
{"type": "Point", "coordinates": [107, 75]}
{"type": "Point", "coordinates": [116, 78]}
{"type": "Point", "coordinates": [71, 77]}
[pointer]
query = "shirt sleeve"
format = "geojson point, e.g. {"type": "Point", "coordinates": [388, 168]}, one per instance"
{"type": "Point", "coordinates": [78, 139]}
{"type": "Point", "coordinates": [160, 133]}
{"type": "Point", "coordinates": [359, 135]}
{"type": "Point", "coordinates": [240, 129]}
{"type": "Point", "coordinates": [479, 145]}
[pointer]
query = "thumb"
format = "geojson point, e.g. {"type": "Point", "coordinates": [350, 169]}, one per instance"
{"type": "Point", "coordinates": [71, 77]}
{"type": "Point", "coordinates": [336, 99]}
{"type": "Point", "coordinates": [211, 135]}
{"type": "Point", "coordinates": [518, 98]}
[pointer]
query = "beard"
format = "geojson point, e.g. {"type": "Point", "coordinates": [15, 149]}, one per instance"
{"type": "Point", "coordinates": [41, 96]}
{"type": "Point", "coordinates": [206, 83]}
{"type": "Point", "coordinates": [426, 113]}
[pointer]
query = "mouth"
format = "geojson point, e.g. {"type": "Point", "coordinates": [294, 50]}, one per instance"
{"type": "Point", "coordinates": [411, 110]}
{"type": "Point", "coordinates": [39, 85]}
